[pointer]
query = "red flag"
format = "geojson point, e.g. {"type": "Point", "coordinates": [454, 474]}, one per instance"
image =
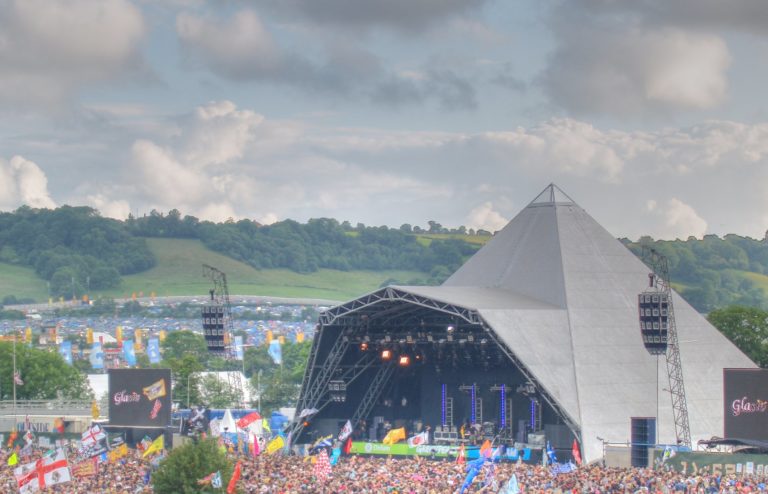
{"type": "Point", "coordinates": [256, 448]}
{"type": "Point", "coordinates": [248, 419]}
{"type": "Point", "coordinates": [575, 452]}
{"type": "Point", "coordinates": [486, 449]}
{"type": "Point", "coordinates": [461, 458]}
{"type": "Point", "coordinates": [348, 446]}
{"type": "Point", "coordinates": [233, 481]}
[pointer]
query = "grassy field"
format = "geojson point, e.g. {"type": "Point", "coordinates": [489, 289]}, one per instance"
{"type": "Point", "coordinates": [179, 272]}
{"type": "Point", "coordinates": [22, 283]}
{"type": "Point", "coordinates": [760, 280]}
{"type": "Point", "coordinates": [427, 238]}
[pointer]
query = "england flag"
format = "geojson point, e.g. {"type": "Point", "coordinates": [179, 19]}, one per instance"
{"type": "Point", "coordinates": [40, 474]}
{"type": "Point", "coordinates": [418, 439]}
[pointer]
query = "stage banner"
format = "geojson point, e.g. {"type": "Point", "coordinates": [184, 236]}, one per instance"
{"type": "Point", "coordinates": [746, 403]}
{"type": "Point", "coordinates": [139, 397]}
{"type": "Point", "coordinates": [438, 451]}
{"type": "Point", "coordinates": [728, 464]}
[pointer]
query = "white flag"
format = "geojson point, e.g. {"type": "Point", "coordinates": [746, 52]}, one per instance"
{"type": "Point", "coordinates": [38, 475]}
{"type": "Point", "coordinates": [92, 436]}
{"type": "Point", "coordinates": [418, 439]}
{"type": "Point", "coordinates": [346, 431]}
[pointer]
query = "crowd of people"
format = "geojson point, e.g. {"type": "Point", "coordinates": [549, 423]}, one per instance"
{"type": "Point", "coordinates": [275, 474]}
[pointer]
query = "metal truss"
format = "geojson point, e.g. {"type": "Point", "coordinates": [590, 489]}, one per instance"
{"type": "Point", "coordinates": [391, 294]}
{"type": "Point", "coordinates": [380, 380]}
{"type": "Point", "coordinates": [221, 296]}
{"type": "Point", "coordinates": [660, 266]}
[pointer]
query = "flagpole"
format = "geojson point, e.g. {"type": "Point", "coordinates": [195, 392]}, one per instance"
{"type": "Point", "coordinates": [14, 380]}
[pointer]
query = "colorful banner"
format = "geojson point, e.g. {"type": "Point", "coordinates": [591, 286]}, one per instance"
{"type": "Point", "coordinates": [87, 468]}
{"type": "Point", "coordinates": [129, 355]}
{"type": "Point", "coordinates": [97, 356]}
{"type": "Point", "coordinates": [139, 397]}
{"type": "Point", "coordinates": [65, 350]}
{"type": "Point", "coordinates": [118, 453]}
{"type": "Point", "coordinates": [276, 352]}
{"type": "Point", "coordinates": [153, 350]}
{"type": "Point", "coordinates": [729, 464]}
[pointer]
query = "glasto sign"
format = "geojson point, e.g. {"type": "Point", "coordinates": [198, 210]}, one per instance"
{"type": "Point", "coordinates": [746, 403]}
{"type": "Point", "coordinates": [139, 397]}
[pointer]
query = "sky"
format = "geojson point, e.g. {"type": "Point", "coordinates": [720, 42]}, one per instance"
{"type": "Point", "coordinates": [652, 115]}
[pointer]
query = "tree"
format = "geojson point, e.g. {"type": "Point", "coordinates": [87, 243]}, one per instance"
{"type": "Point", "coordinates": [180, 343]}
{"type": "Point", "coordinates": [45, 374]}
{"type": "Point", "coordinates": [747, 328]}
{"type": "Point", "coordinates": [179, 472]}
{"type": "Point", "coordinates": [187, 382]}
{"type": "Point", "coordinates": [217, 393]}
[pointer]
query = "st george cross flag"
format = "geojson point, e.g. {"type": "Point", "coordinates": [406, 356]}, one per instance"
{"type": "Point", "coordinates": [418, 439]}
{"type": "Point", "coordinates": [92, 436]}
{"type": "Point", "coordinates": [247, 420]}
{"type": "Point", "coordinates": [40, 474]}
{"type": "Point", "coordinates": [322, 465]}
{"type": "Point", "coordinates": [346, 431]}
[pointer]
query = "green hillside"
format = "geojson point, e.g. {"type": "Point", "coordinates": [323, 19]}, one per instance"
{"type": "Point", "coordinates": [179, 272]}
{"type": "Point", "coordinates": [21, 282]}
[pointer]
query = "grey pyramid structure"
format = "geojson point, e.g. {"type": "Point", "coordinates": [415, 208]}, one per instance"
{"type": "Point", "coordinates": [561, 292]}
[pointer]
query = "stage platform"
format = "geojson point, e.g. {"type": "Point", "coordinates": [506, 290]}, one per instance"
{"type": "Point", "coordinates": [442, 451]}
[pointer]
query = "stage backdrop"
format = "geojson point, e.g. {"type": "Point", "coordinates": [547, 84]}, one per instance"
{"type": "Point", "coordinates": [746, 403]}
{"type": "Point", "coordinates": [139, 397]}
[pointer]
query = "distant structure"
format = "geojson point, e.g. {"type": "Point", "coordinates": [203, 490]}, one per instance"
{"type": "Point", "coordinates": [536, 337]}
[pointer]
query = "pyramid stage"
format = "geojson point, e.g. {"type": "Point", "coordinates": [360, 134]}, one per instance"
{"type": "Point", "coordinates": [535, 338]}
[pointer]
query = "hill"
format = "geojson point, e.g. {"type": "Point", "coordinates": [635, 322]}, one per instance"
{"type": "Point", "coordinates": [178, 271]}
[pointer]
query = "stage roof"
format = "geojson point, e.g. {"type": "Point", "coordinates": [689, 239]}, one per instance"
{"type": "Point", "coordinates": [561, 293]}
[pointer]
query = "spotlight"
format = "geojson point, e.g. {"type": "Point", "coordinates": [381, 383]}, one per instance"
{"type": "Point", "coordinates": [386, 354]}
{"type": "Point", "coordinates": [405, 360]}
{"type": "Point", "coordinates": [450, 329]}
{"type": "Point", "coordinates": [363, 346]}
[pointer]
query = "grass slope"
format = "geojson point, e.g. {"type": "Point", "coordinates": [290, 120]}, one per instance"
{"type": "Point", "coordinates": [22, 282]}
{"type": "Point", "coordinates": [179, 272]}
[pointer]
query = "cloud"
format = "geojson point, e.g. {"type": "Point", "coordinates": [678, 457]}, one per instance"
{"type": "Point", "coordinates": [118, 209]}
{"type": "Point", "coordinates": [401, 15]}
{"type": "Point", "coordinates": [50, 48]}
{"type": "Point", "coordinates": [446, 86]}
{"type": "Point", "coordinates": [22, 182]}
{"type": "Point", "coordinates": [486, 218]}
{"type": "Point", "coordinates": [680, 219]}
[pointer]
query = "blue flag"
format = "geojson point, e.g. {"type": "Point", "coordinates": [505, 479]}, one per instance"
{"type": "Point", "coordinates": [276, 352]}
{"type": "Point", "coordinates": [129, 355]}
{"type": "Point", "coordinates": [153, 350]}
{"type": "Point", "coordinates": [239, 347]}
{"type": "Point", "coordinates": [97, 356]}
{"type": "Point", "coordinates": [551, 454]}
{"type": "Point", "coordinates": [512, 486]}
{"type": "Point", "coordinates": [65, 350]}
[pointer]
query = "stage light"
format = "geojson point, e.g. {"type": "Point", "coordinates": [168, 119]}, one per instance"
{"type": "Point", "coordinates": [450, 329]}
{"type": "Point", "coordinates": [470, 338]}
{"type": "Point", "coordinates": [405, 360]}
{"type": "Point", "coordinates": [386, 354]}
{"type": "Point", "coordinates": [364, 346]}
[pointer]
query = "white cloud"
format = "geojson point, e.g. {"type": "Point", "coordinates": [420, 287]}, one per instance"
{"type": "Point", "coordinates": [680, 220]}
{"type": "Point", "coordinates": [22, 182]}
{"type": "Point", "coordinates": [486, 218]}
{"type": "Point", "coordinates": [118, 209]}
{"type": "Point", "coordinates": [218, 133]}
{"type": "Point", "coordinates": [50, 48]}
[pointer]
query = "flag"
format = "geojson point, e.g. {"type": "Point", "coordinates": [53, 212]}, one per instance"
{"type": "Point", "coordinates": [322, 466]}
{"type": "Point", "coordinates": [558, 468]}
{"type": "Point", "coordinates": [256, 446]}
{"type": "Point", "coordinates": [65, 350]}
{"type": "Point", "coordinates": [129, 355]}
{"type": "Point", "coordinates": [119, 336]}
{"type": "Point", "coordinates": [275, 444]}
{"type": "Point", "coordinates": [17, 378]}
{"type": "Point", "coordinates": [12, 438]}
{"type": "Point", "coordinates": [299, 337]}
{"type": "Point", "coordinates": [247, 420]}
{"type": "Point", "coordinates": [512, 486]}
{"type": "Point", "coordinates": [394, 436]}
{"type": "Point", "coordinates": [87, 468]}
{"type": "Point", "coordinates": [92, 436]}
{"type": "Point", "coordinates": [575, 452]}
{"type": "Point", "coordinates": [276, 352]}
{"type": "Point", "coordinates": [486, 449]}
{"type": "Point", "coordinates": [233, 481]}
{"type": "Point", "coordinates": [157, 445]}
{"type": "Point", "coordinates": [461, 457]}
{"type": "Point", "coordinates": [207, 479]}
{"type": "Point", "coordinates": [42, 473]}
{"type": "Point", "coordinates": [669, 452]}
{"type": "Point", "coordinates": [95, 411]}
{"type": "Point", "coordinates": [153, 350]}
{"type": "Point", "coordinates": [418, 439]}
{"type": "Point", "coordinates": [321, 443]}
{"type": "Point", "coordinates": [13, 459]}
{"type": "Point", "coordinates": [348, 446]}
{"type": "Point", "coordinates": [346, 431]}
{"type": "Point", "coordinates": [335, 455]}
{"type": "Point", "coordinates": [238, 348]}
{"type": "Point", "coordinates": [216, 480]}
{"type": "Point", "coordinates": [97, 356]}
{"type": "Point", "coordinates": [29, 437]}
{"type": "Point", "coordinates": [89, 336]}
{"type": "Point", "coordinates": [551, 457]}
